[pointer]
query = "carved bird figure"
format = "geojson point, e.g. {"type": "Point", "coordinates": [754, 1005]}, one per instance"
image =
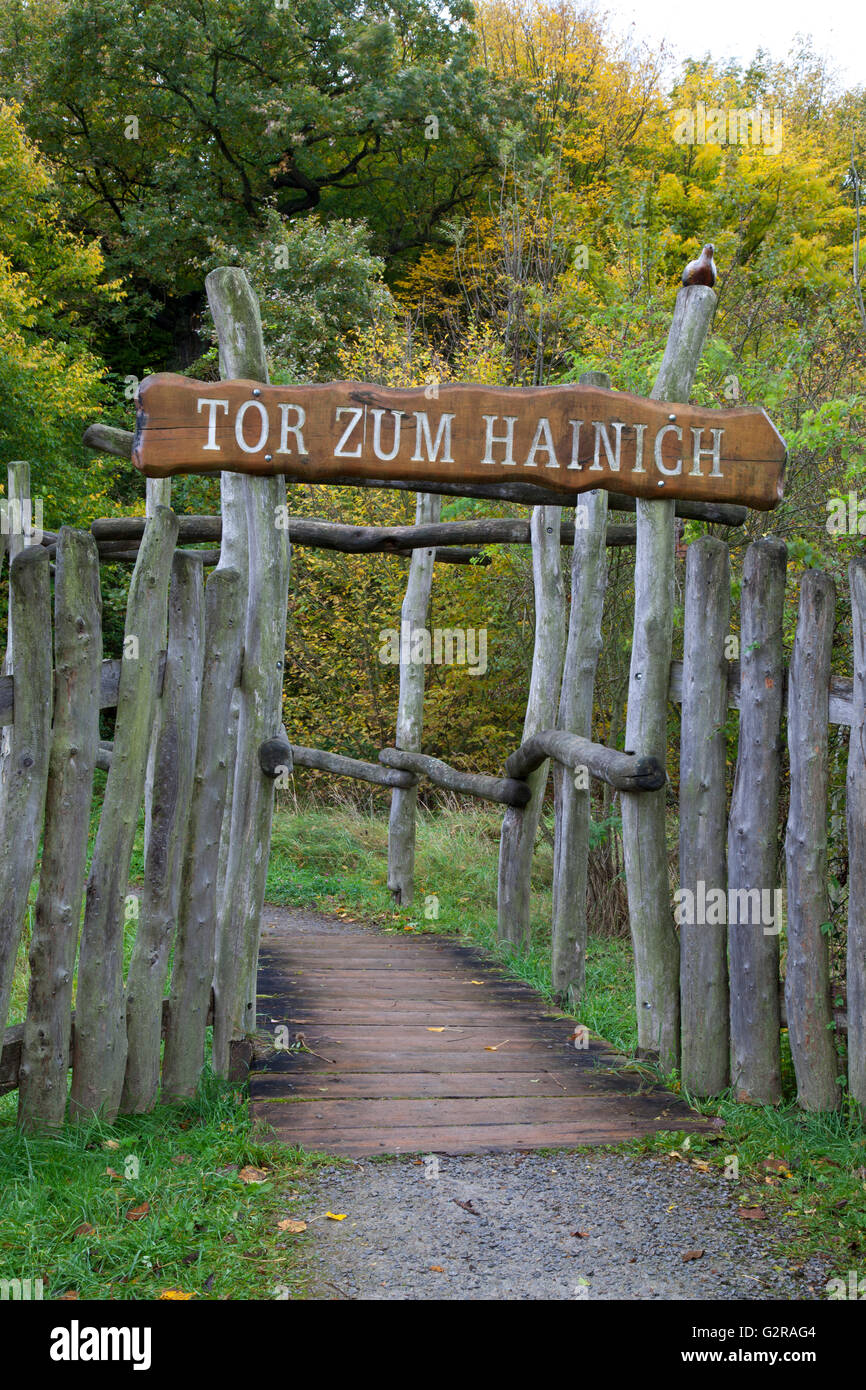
{"type": "Point", "coordinates": [703, 270]}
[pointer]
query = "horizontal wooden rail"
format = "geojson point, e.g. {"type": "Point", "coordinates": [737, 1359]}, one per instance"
{"type": "Point", "coordinates": [119, 534]}
{"type": "Point", "coordinates": [627, 771]}
{"type": "Point", "coordinates": [506, 790]}
{"type": "Point", "coordinates": [13, 1043]}
{"type": "Point", "coordinates": [108, 439]}
{"type": "Point", "coordinates": [350, 767]}
{"type": "Point", "coordinates": [841, 692]}
{"type": "Point", "coordinates": [108, 687]}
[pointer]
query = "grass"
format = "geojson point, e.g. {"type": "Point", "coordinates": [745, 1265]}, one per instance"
{"type": "Point", "coordinates": [179, 1204]}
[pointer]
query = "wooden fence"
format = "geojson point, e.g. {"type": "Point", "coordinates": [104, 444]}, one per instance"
{"type": "Point", "coordinates": [197, 740]}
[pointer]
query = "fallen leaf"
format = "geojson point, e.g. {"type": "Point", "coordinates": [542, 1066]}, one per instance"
{"type": "Point", "coordinates": [69, 1296]}
{"type": "Point", "coordinates": [752, 1213]}
{"type": "Point", "coordinates": [111, 1143]}
{"type": "Point", "coordinates": [136, 1213]}
{"type": "Point", "coordinates": [701, 1166]}
{"type": "Point", "coordinates": [181, 1158]}
{"type": "Point", "coordinates": [110, 1173]}
{"type": "Point", "coordinates": [497, 1046]}
{"type": "Point", "coordinates": [252, 1175]}
{"type": "Point", "coordinates": [435, 1030]}
{"type": "Point", "coordinates": [289, 1225]}
{"type": "Point", "coordinates": [467, 1206]}
{"type": "Point", "coordinates": [208, 1283]}
{"type": "Point", "coordinates": [230, 1239]}
{"type": "Point", "coordinates": [582, 1235]}
{"type": "Point", "coordinates": [336, 1215]}
{"type": "Point", "coordinates": [691, 1255]}
{"type": "Point", "coordinates": [85, 1229]}
{"type": "Point", "coordinates": [437, 1269]}
{"type": "Point", "coordinates": [176, 1294]}
{"type": "Point", "coordinates": [476, 982]}
{"type": "Point", "coordinates": [776, 1165]}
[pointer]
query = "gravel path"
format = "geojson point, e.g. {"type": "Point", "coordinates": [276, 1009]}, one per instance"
{"type": "Point", "coordinates": [406, 1236]}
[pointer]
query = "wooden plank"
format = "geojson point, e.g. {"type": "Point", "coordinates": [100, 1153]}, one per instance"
{"type": "Point", "coordinates": [303, 1116]}
{"type": "Point", "coordinates": [574, 437]}
{"type": "Point", "coordinates": [520, 1056]}
{"type": "Point", "coordinates": [314, 1085]}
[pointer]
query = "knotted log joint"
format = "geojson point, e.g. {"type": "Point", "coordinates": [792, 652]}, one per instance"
{"type": "Point", "coordinates": [627, 771]}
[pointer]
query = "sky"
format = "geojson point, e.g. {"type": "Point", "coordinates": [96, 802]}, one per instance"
{"type": "Point", "coordinates": [736, 28]}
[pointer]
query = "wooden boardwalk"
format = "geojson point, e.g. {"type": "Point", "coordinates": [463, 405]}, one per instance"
{"type": "Point", "coordinates": [424, 1047]}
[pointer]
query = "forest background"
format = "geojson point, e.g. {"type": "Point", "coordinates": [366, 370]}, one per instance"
{"type": "Point", "coordinates": [420, 193]}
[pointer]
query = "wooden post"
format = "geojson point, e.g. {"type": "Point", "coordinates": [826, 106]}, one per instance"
{"type": "Point", "coordinates": [656, 948]}
{"type": "Point", "coordinates": [157, 494]}
{"type": "Point", "coordinates": [573, 801]}
{"type": "Point", "coordinates": [519, 826]}
{"type": "Point", "coordinates": [22, 797]}
{"type": "Point", "coordinates": [99, 1052]}
{"type": "Point", "coordinates": [753, 828]}
{"type": "Point", "coordinates": [410, 708]}
{"type": "Point", "coordinates": [856, 844]}
{"type": "Point", "coordinates": [192, 974]}
{"type": "Point", "coordinates": [173, 766]}
{"type": "Point", "coordinates": [17, 499]}
{"type": "Point", "coordinates": [807, 979]}
{"type": "Point", "coordinates": [856, 816]}
{"type": "Point", "coordinates": [704, 945]}
{"type": "Point", "coordinates": [262, 501]}
{"type": "Point", "coordinates": [43, 1077]}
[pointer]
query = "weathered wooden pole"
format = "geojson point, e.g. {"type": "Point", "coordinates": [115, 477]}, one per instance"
{"type": "Point", "coordinates": [572, 791]}
{"type": "Point", "coordinates": [17, 506]}
{"type": "Point", "coordinates": [43, 1076]}
{"type": "Point", "coordinates": [173, 766]}
{"type": "Point", "coordinates": [261, 502]}
{"type": "Point", "coordinates": [704, 945]}
{"type": "Point", "coordinates": [410, 708]}
{"type": "Point", "coordinates": [22, 796]}
{"type": "Point", "coordinates": [157, 493]}
{"type": "Point", "coordinates": [193, 970]}
{"type": "Point", "coordinates": [753, 828]}
{"type": "Point", "coordinates": [656, 948]}
{"type": "Point", "coordinates": [856, 817]}
{"type": "Point", "coordinates": [807, 976]}
{"type": "Point", "coordinates": [99, 1051]}
{"type": "Point", "coordinates": [520, 825]}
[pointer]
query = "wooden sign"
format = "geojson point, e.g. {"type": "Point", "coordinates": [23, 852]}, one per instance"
{"type": "Point", "coordinates": [569, 437]}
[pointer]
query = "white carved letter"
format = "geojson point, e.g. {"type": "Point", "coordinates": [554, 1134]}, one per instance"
{"type": "Point", "coordinates": [213, 407]}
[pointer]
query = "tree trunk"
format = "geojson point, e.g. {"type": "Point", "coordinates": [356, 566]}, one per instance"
{"type": "Point", "coordinates": [704, 945]}
{"type": "Point", "coordinates": [807, 979]}
{"type": "Point", "coordinates": [43, 1077]}
{"type": "Point", "coordinates": [573, 802]}
{"type": "Point", "coordinates": [242, 354]}
{"type": "Point", "coordinates": [99, 1052]}
{"type": "Point", "coordinates": [519, 826]}
{"type": "Point", "coordinates": [410, 710]}
{"type": "Point", "coordinates": [753, 827]}
{"type": "Point", "coordinates": [656, 949]}
{"type": "Point", "coordinates": [173, 766]}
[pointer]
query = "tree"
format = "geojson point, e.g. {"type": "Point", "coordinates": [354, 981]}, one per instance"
{"type": "Point", "coordinates": [50, 380]}
{"type": "Point", "coordinates": [171, 124]}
